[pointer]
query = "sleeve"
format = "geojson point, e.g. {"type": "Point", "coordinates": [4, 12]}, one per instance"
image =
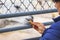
{"type": "Point", "coordinates": [52, 33]}
{"type": "Point", "coordinates": [56, 19]}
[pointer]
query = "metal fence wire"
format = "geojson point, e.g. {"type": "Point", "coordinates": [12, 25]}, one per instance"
{"type": "Point", "coordinates": [16, 6]}
{"type": "Point", "coordinates": [24, 8]}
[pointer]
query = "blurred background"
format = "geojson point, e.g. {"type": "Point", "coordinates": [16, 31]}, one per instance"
{"type": "Point", "coordinates": [18, 6]}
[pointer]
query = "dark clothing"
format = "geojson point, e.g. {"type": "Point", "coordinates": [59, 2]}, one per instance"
{"type": "Point", "coordinates": [52, 33]}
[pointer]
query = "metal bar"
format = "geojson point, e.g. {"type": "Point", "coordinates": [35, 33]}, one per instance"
{"type": "Point", "coordinates": [27, 13]}
{"type": "Point", "coordinates": [2, 30]}
{"type": "Point", "coordinates": [48, 23]}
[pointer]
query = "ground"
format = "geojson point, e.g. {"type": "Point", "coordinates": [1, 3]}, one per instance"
{"type": "Point", "coordinates": [28, 33]}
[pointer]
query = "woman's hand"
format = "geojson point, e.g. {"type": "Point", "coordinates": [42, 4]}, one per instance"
{"type": "Point", "coordinates": [38, 26]}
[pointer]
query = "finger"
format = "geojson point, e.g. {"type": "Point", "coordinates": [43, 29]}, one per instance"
{"type": "Point", "coordinates": [40, 25]}
{"type": "Point", "coordinates": [33, 23]}
{"type": "Point", "coordinates": [38, 28]}
{"type": "Point", "coordinates": [35, 27]}
{"type": "Point", "coordinates": [40, 32]}
{"type": "Point", "coordinates": [36, 24]}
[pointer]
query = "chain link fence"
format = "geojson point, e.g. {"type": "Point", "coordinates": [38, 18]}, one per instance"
{"type": "Point", "coordinates": [16, 6]}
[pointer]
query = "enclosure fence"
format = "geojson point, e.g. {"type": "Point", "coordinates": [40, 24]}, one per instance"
{"type": "Point", "coordinates": [16, 8]}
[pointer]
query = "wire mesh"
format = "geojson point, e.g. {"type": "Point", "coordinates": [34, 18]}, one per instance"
{"type": "Point", "coordinates": [16, 6]}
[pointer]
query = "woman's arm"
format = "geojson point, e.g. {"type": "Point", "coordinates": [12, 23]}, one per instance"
{"type": "Point", "coordinates": [52, 33]}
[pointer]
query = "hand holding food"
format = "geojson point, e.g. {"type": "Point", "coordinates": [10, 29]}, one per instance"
{"type": "Point", "coordinates": [38, 26]}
